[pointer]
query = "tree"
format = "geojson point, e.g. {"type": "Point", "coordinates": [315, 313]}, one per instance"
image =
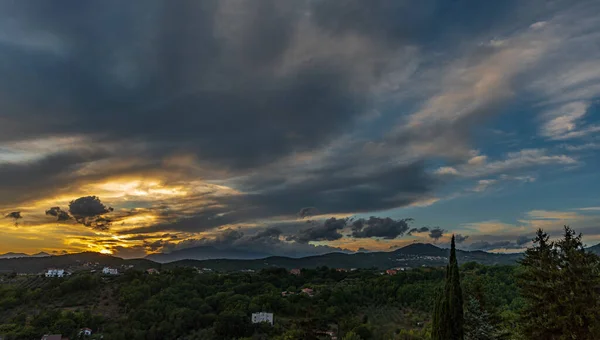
{"type": "Point", "coordinates": [559, 282]}
{"type": "Point", "coordinates": [537, 280]}
{"type": "Point", "coordinates": [478, 325]}
{"type": "Point", "coordinates": [351, 336]}
{"type": "Point", "coordinates": [448, 318]}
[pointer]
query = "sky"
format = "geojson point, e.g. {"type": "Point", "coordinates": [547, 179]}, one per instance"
{"type": "Point", "coordinates": [297, 127]}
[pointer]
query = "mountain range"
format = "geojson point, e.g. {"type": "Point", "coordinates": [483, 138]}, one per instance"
{"type": "Point", "coordinates": [414, 255]}
{"type": "Point", "coordinates": [20, 255]}
{"type": "Point", "coordinates": [206, 253]}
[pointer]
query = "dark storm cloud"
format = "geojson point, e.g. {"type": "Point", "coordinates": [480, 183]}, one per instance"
{"type": "Point", "coordinates": [87, 210]}
{"type": "Point", "coordinates": [267, 233]}
{"type": "Point", "coordinates": [263, 242]}
{"type": "Point", "coordinates": [484, 245]}
{"type": "Point", "coordinates": [381, 188]}
{"type": "Point", "coordinates": [326, 231]}
{"type": "Point", "coordinates": [49, 175]}
{"type": "Point", "coordinates": [16, 215]}
{"type": "Point", "coordinates": [237, 83]}
{"type": "Point", "coordinates": [355, 192]}
{"type": "Point", "coordinates": [459, 238]}
{"type": "Point", "coordinates": [60, 214]}
{"type": "Point", "coordinates": [209, 64]}
{"type": "Point", "coordinates": [436, 233]}
{"type": "Point", "coordinates": [418, 230]}
{"type": "Point", "coordinates": [144, 237]}
{"type": "Point", "coordinates": [406, 21]}
{"type": "Point", "coordinates": [386, 228]}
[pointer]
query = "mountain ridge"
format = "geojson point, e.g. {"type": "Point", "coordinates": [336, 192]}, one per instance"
{"type": "Point", "coordinates": [412, 255]}
{"type": "Point", "coordinates": [11, 255]}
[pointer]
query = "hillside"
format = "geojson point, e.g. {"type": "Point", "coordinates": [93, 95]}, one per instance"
{"type": "Point", "coordinates": [20, 255]}
{"type": "Point", "coordinates": [595, 249]}
{"type": "Point", "coordinates": [87, 260]}
{"type": "Point", "coordinates": [414, 255]}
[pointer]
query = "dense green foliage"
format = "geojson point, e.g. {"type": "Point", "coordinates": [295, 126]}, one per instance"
{"type": "Point", "coordinates": [560, 282]}
{"type": "Point", "coordinates": [552, 294]}
{"type": "Point", "coordinates": [183, 304]}
{"type": "Point", "coordinates": [448, 318]}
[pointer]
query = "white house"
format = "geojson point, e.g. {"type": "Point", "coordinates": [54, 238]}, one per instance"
{"type": "Point", "coordinates": [55, 273]}
{"type": "Point", "coordinates": [262, 317]}
{"type": "Point", "coordinates": [85, 332]}
{"type": "Point", "coordinates": [110, 271]}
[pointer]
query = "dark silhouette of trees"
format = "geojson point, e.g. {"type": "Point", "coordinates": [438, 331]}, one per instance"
{"type": "Point", "coordinates": [559, 282]}
{"type": "Point", "coordinates": [448, 318]}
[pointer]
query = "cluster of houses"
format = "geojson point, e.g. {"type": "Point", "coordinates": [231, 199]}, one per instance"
{"type": "Point", "coordinates": [394, 271]}
{"type": "Point", "coordinates": [56, 272]}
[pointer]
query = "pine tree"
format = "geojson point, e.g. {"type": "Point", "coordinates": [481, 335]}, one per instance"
{"type": "Point", "coordinates": [352, 336]}
{"type": "Point", "coordinates": [448, 318]}
{"type": "Point", "coordinates": [537, 281]}
{"type": "Point", "coordinates": [478, 323]}
{"type": "Point", "coordinates": [560, 283]}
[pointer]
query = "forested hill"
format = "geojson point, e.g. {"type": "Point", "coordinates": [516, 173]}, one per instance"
{"type": "Point", "coordinates": [414, 255]}
{"type": "Point", "coordinates": [74, 262]}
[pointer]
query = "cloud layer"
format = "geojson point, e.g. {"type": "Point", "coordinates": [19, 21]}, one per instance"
{"type": "Point", "coordinates": [236, 122]}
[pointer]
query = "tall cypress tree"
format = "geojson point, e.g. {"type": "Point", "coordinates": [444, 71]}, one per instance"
{"type": "Point", "coordinates": [448, 318]}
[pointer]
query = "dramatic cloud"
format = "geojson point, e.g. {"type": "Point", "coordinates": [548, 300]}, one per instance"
{"type": "Point", "coordinates": [60, 214]}
{"type": "Point", "coordinates": [15, 215]}
{"type": "Point", "coordinates": [386, 228]}
{"type": "Point", "coordinates": [436, 233]}
{"type": "Point", "coordinates": [202, 119]}
{"type": "Point", "coordinates": [326, 231]}
{"type": "Point", "coordinates": [88, 210]}
{"type": "Point", "coordinates": [460, 238]}
{"type": "Point", "coordinates": [418, 230]}
{"type": "Point", "coordinates": [484, 245]}
{"type": "Point", "coordinates": [267, 234]}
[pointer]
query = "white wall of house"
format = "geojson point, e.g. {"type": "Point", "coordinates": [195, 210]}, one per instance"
{"type": "Point", "coordinates": [55, 273]}
{"type": "Point", "coordinates": [262, 317]}
{"type": "Point", "coordinates": [110, 271]}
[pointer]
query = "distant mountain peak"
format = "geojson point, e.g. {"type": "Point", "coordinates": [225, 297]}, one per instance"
{"type": "Point", "coordinates": [421, 249]}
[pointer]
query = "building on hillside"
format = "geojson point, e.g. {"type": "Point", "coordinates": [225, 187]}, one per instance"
{"type": "Point", "coordinates": [152, 271]}
{"type": "Point", "coordinates": [110, 271]}
{"type": "Point", "coordinates": [295, 271]}
{"type": "Point", "coordinates": [85, 332]}
{"type": "Point", "coordinates": [55, 273]}
{"type": "Point", "coordinates": [342, 270]}
{"type": "Point", "coordinates": [391, 272]}
{"type": "Point", "coordinates": [262, 317]}
{"type": "Point", "coordinates": [286, 293]}
{"type": "Point", "coordinates": [308, 291]}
